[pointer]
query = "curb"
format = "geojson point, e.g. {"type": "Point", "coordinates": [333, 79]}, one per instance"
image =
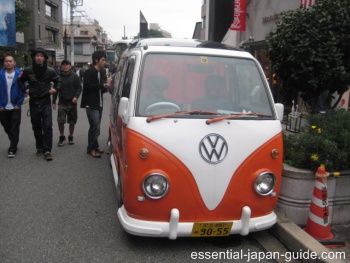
{"type": "Point", "coordinates": [297, 240]}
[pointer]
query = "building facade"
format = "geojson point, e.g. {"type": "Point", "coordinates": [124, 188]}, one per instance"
{"type": "Point", "coordinates": [45, 30]}
{"type": "Point", "coordinates": [261, 19]}
{"type": "Point", "coordinates": [89, 36]}
{"type": "Point", "coordinates": [84, 46]}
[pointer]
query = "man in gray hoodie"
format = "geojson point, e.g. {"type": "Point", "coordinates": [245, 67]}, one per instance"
{"type": "Point", "coordinates": [68, 97]}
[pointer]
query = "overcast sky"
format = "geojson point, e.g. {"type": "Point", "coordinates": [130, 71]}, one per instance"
{"type": "Point", "coordinates": [178, 17]}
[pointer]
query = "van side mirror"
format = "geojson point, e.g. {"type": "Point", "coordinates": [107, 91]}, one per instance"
{"type": "Point", "coordinates": [123, 109]}
{"type": "Point", "coordinates": [280, 110]}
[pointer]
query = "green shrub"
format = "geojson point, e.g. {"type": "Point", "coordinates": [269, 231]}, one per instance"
{"type": "Point", "coordinates": [325, 140]}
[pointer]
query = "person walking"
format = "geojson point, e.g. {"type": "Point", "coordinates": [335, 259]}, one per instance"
{"type": "Point", "coordinates": [11, 99]}
{"type": "Point", "coordinates": [92, 99]}
{"type": "Point", "coordinates": [68, 98]}
{"type": "Point", "coordinates": [39, 77]}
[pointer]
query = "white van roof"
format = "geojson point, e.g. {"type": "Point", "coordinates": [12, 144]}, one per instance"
{"type": "Point", "coordinates": [183, 43]}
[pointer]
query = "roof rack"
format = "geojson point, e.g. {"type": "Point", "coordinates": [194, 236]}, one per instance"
{"type": "Point", "coordinates": [175, 42]}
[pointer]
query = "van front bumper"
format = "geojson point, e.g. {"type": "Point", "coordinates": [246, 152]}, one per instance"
{"type": "Point", "coordinates": [174, 228]}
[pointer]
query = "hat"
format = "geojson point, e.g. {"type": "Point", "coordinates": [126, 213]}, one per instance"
{"type": "Point", "coordinates": [65, 61]}
{"type": "Point", "coordinates": [39, 50]}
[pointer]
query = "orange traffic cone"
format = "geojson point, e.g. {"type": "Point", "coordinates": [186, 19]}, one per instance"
{"type": "Point", "coordinates": [318, 224]}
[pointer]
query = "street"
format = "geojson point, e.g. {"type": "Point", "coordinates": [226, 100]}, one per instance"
{"type": "Point", "coordinates": [66, 210]}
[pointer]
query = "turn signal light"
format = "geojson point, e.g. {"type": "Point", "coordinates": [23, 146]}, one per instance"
{"type": "Point", "coordinates": [144, 153]}
{"type": "Point", "coordinates": [275, 153]}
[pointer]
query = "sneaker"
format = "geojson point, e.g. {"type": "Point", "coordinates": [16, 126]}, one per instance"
{"type": "Point", "coordinates": [70, 140]}
{"type": "Point", "coordinates": [39, 152]}
{"type": "Point", "coordinates": [61, 141]}
{"type": "Point", "coordinates": [48, 156]}
{"type": "Point", "coordinates": [11, 154]}
{"type": "Point", "coordinates": [95, 154]}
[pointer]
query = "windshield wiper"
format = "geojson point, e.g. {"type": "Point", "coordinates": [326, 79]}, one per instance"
{"type": "Point", "coordinates": [189, 112]}
{"type": "Point", "coordinates": [238, 115]}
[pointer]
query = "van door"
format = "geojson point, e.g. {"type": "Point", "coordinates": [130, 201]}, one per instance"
{"type": "Point", "coordinates": [124, 91]}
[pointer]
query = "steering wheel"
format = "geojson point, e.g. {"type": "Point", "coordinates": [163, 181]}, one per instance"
{"type": "Point", "coordinates": [170, 106]}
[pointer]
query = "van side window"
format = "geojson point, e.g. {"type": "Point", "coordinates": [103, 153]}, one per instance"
{"type": "Point", "coordinates": [115, 89]}
{"type": "Point", "coordinates": [127, 77]}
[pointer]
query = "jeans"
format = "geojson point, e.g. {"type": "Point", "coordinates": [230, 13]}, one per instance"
{"type": "Point", "coordinates": [94, 116]}
{"type": "Point", "coordinates": [11, 120]}
{"type": "Point", "coordinates": [41, 118]}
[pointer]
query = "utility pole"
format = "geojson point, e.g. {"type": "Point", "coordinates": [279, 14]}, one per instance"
{"type": "Point", "coordinates": [73, 4]}
{"type": "Point", "coordinates": [65, 43]}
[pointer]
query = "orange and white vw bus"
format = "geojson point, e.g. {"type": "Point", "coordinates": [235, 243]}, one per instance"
{"type": "Point", "coordinates": [196, 140]}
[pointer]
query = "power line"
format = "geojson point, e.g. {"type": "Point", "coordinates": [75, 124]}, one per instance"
{"type": "Point", "coordinates": [86, 6]}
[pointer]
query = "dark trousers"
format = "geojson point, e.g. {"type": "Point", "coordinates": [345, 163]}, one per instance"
{"type": "Point", "coordinates": [11, 120]}
{"type": "Point", "coordinates": [94, 117]}
{"type": "Point", "coordinates": [41, 118]}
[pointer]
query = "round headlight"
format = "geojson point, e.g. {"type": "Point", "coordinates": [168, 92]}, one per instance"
{"type": "Point", "coordinates": [265, 183]}
{"type": "Point", "coordinates": [155, 186]}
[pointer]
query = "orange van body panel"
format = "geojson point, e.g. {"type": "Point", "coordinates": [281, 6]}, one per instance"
{"type": "Point", "coordinates": [183, 192]}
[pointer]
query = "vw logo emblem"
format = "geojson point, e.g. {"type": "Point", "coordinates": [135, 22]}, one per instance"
{"type": "Point", "coordinates": [213, 148]}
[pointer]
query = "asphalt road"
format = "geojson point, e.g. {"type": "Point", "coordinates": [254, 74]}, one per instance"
{"type": "Point", "coordinates": [65, 210]}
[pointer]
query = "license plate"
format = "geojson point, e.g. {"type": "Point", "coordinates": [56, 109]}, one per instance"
{"type": "Point", "coordinates": [210, 229]}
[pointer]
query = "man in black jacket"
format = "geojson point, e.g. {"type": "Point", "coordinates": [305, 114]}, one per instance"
{"type": "Point", "coordinates": [68, 98]}
{"type": "Point", "coordinates": [92, 99]}
{"type": "Point", "coordinates": [39, 77]}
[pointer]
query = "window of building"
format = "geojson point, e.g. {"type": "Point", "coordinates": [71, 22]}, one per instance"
{"type": "Point", "coordinates": [39, 6]}
{"type": "Point", "coordinates": [51, 34]}
{"type": "Point", "coordinates": [78, 48]}
{"type": "Point", "coordinates": [50, 9]}
{"type": "Point", "coordinates": [84, 32]}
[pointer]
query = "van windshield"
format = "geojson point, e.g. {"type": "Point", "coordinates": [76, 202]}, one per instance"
{"type": "Point", "coordinates": [221, 85]}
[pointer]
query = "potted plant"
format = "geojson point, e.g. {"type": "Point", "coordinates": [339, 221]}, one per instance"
{"type": "Point", "coordinates": [324, 141]}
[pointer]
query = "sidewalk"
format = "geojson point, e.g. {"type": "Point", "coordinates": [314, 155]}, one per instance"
{"type": "Point", "coordinates": [342, 232]}
{"type": "Point", "coordinates": [297, 240]}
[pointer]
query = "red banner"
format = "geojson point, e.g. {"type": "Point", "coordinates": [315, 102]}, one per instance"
{"type": "Point", "coordinates": [239, 15]}
{"type": "Point", "coordinates": [307, 3]}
